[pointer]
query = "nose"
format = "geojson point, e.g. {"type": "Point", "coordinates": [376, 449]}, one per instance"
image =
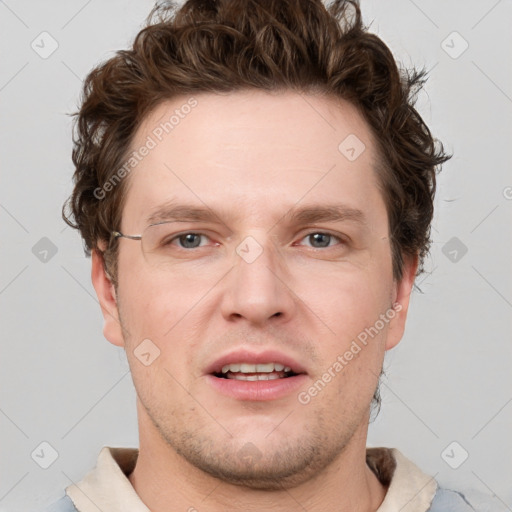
{"type": "Point", "coordinates": [258, 289]}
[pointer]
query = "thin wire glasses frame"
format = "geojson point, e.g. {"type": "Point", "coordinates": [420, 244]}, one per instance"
{"type": "Point", "coordinates": [162, 236]}
{"type": "Point", "coordinates": [118, 234]}
{"type": "Point", "coordinates": [147, 250]}
{"type": "Point", "coordinates": [151, 244]}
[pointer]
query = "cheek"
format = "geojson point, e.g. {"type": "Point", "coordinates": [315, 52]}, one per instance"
{"type": "Point", "coordinates": [151, 302]}
{"type": "Point", "coordinates": [155, 319]}
{"type": "Point", "coordinates": [350, 306]}
{"type": "Point", "coordinates": [351, 356]}
{"type": "Point", "coordinates": [350, 300]}
{"type": "Point", "coordinates": [165, 311]}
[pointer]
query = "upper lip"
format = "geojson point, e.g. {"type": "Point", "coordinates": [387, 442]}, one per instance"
{"type": "Point", "coordinates": [248, 356]}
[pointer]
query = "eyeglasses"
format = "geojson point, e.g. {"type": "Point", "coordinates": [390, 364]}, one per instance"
{"type": "Point", "coordinates": [158, 242]}
{"type": "Point", "coordinates": [160, 248]}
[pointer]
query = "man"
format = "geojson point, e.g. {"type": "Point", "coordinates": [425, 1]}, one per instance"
{"type": "Point", "coordinates": [255, 188]}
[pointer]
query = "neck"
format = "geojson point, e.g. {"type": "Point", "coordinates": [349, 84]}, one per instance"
{"type": "Point", "coordinates": [162, 477]}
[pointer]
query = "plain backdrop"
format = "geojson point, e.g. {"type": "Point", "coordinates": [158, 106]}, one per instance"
{"type": "Point", "coordinates": [447, 398]}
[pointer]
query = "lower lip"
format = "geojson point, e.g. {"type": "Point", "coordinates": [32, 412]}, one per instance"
{"type": "Point", "coordinates": [257, 390]}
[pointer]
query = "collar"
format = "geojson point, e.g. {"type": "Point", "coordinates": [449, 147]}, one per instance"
{"type": "Point", "coordinates": [107, 487]}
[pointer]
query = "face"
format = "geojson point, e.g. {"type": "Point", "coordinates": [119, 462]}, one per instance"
{"type": "Point", "coordinates": [268, 320]}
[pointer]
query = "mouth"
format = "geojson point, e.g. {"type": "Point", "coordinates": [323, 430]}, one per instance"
{"type": "Point", "coordinates": [255, 372]}
{"type": "Point", "coordinates": [248, 376]}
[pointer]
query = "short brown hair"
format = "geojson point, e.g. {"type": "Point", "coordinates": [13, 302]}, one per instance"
{"type": "Point", "coordinates": [271, 45]}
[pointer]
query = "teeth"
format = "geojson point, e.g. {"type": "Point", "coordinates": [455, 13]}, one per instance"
{"type": "Point", "coordinates": [255, 368]}
{"type": "Point", "coordinates": [231, 368]}
{"type": "Point", "coordinates": [265, 368]}
{"type": "Point", "coordinates": [270, 376]}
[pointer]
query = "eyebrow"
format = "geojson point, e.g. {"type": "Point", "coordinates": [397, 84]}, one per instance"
{"type": "Point", "coordinates": [302, 215]}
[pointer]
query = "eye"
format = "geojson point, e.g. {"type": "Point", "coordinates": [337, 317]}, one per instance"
{"type": "Point", "coordinates": [322, 240]}
{"type": "Point", "coordinates": [193, 240]}
{"type": "Point", "coordinates": [187, 240]}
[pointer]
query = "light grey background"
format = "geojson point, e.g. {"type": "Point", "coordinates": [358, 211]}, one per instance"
{"type": "Point", "coordinates": [449, 380]}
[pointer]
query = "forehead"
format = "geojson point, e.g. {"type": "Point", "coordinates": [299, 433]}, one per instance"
{"type": "Point", "coordinates": [253, 151]}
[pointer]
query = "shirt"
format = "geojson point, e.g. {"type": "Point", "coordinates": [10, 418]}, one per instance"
{"type": "Point", "coordinates": [106, 488]}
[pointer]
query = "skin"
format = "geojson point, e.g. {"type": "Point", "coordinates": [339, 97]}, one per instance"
{"type": "Point", "coordinates": [252, 157]}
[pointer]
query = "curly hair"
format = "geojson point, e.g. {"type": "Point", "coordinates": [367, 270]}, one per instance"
{"type": "Point", "coordinates": [271, 45]}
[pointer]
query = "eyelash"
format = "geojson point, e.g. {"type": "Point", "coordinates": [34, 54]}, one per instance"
{"type": "Point", "coordinates": [332, 235]}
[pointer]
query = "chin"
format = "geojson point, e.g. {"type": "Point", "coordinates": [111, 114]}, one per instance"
{"type": "Point", "coordinates": [285, 463]}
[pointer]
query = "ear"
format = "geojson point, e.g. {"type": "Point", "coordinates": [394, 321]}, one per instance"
{"type": "Point", "coordinates": [401, 296]}
{"type": "Point", "coordinates": [106, 293]}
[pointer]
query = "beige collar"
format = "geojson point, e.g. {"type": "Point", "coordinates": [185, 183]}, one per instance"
{"type": "Point", "coordinates": [107, 487]}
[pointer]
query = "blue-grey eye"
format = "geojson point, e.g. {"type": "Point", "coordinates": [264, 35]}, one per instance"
{"type": "Point", "coordinates": [320, 240]}
{"type": "Point", "coordinates": [190, 240]}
